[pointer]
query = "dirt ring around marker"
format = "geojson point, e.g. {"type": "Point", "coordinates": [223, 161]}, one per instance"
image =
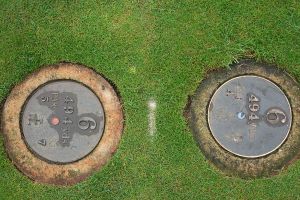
{"type": "Point", "coordinates": [62, 174]}
{"type": "Point", "coordinates": [230, 164]}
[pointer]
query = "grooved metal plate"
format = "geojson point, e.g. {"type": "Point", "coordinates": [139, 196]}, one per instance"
{"type": "Point", "coordinates": [62, 121]}
{"type": "Point", "coordinates": [249, 116]}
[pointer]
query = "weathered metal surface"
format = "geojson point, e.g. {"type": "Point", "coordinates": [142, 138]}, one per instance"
{"type": "Point", "coordinates": [62, 121]}
{"type": "Point", "coordinates": [41, 170]}
{"type": "Point", "coordinates": [249, 116]}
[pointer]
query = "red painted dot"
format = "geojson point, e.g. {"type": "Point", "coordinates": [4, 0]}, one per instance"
{"type": "Point", "coordinates": [54, 121]}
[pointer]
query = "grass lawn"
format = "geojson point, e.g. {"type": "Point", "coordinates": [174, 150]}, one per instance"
{"type": "Point", "coordinates": [156, 50]}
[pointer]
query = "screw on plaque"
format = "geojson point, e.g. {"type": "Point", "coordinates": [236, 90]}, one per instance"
{"type": "Point", "coordinates": [255, 114]}
{"type": "Point", "coordinates": [74, 116]}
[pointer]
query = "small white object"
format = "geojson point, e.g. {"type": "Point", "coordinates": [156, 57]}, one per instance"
{"type": "Point", "coordinates": [152, 105]}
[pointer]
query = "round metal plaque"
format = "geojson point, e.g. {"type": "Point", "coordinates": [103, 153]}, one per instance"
{"type": "Point", "coordinates": [62, 121]}
{"type": "Point", "coordinates": [249, 116]}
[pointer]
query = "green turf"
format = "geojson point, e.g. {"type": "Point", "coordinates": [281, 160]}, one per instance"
{"type": "Point", "coordinates": [149, 49]}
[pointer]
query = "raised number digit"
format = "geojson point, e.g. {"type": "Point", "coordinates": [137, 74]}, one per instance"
{"type": "Point", "coordinates": [69, 110]}
{"type": "Point", "coordinates": [55, 96]}
{"type": "Point", "coordinates": [254, 107]}
{"type": "Point", "coordinates": [253, 116]}
{"type": "Point", "coordinates": [253, 98]}
{"type": "Point", "coordinates": [45, 99]}
{"type": "Point", "coordinates": [86, 123]}
{"type": "Point", "coordinates": [68, 100]}
{"type": "Point", "coordinates": [67, 121]}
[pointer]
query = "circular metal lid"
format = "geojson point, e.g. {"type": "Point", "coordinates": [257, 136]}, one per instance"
{"type": "Point", "coordinates": [62, 121]}
{"type": "Point", "coordinates": [249, 116]}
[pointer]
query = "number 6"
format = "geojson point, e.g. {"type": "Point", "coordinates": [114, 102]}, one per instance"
{"type": "Point", "coordinates": [86, 123]}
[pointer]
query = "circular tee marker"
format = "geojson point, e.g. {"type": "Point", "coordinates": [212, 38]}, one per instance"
{"type": "Point", "coordinates": [249, 116]}
{"type": "Point", "coordinates": [81, 128]}
{"type": "Point", "coordinates": [62, 123]}
{"type": "Point", "coordinates": [246, 119]}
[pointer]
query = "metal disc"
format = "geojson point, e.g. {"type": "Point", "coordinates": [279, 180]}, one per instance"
{"type": "Point", "coordinates": [249, 116]}
{"type": "Point", "coordinates": [62, 121]}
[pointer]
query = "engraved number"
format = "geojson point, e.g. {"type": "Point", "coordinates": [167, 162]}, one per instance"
{"type": "Point", "coordinates": [44, 99]}
{"type": "Point", "coordinates": [34, 119]}
{"type": "Point", "coordinates": [55, 96]}
{"type": "Point", "coordinates": [276, 116]}
{"type": "Point", "coordinates": [54, 105]}
{"type": "Point", "coordinates": [42, 142]}
{"type": "Point", "coordinates": [86, 123]}
{"type": "Point", "coordinates": [65, 136]}
{"type": "Point", "coordinates": [69, 110]}
{"type": "Point", "coordinates": [68, 100]}
{"type": "Point", "coordinates": [253, 98]}
{"type": "Point", "coordinates": [253, 116]}
{"type": "Point", "coordinates": [254, 107]}
{"type": "Point", "coordinates": [67, 121]}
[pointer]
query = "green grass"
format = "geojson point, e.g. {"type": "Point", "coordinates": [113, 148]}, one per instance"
{"type": "Point", "coordinates": [149, 49]}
